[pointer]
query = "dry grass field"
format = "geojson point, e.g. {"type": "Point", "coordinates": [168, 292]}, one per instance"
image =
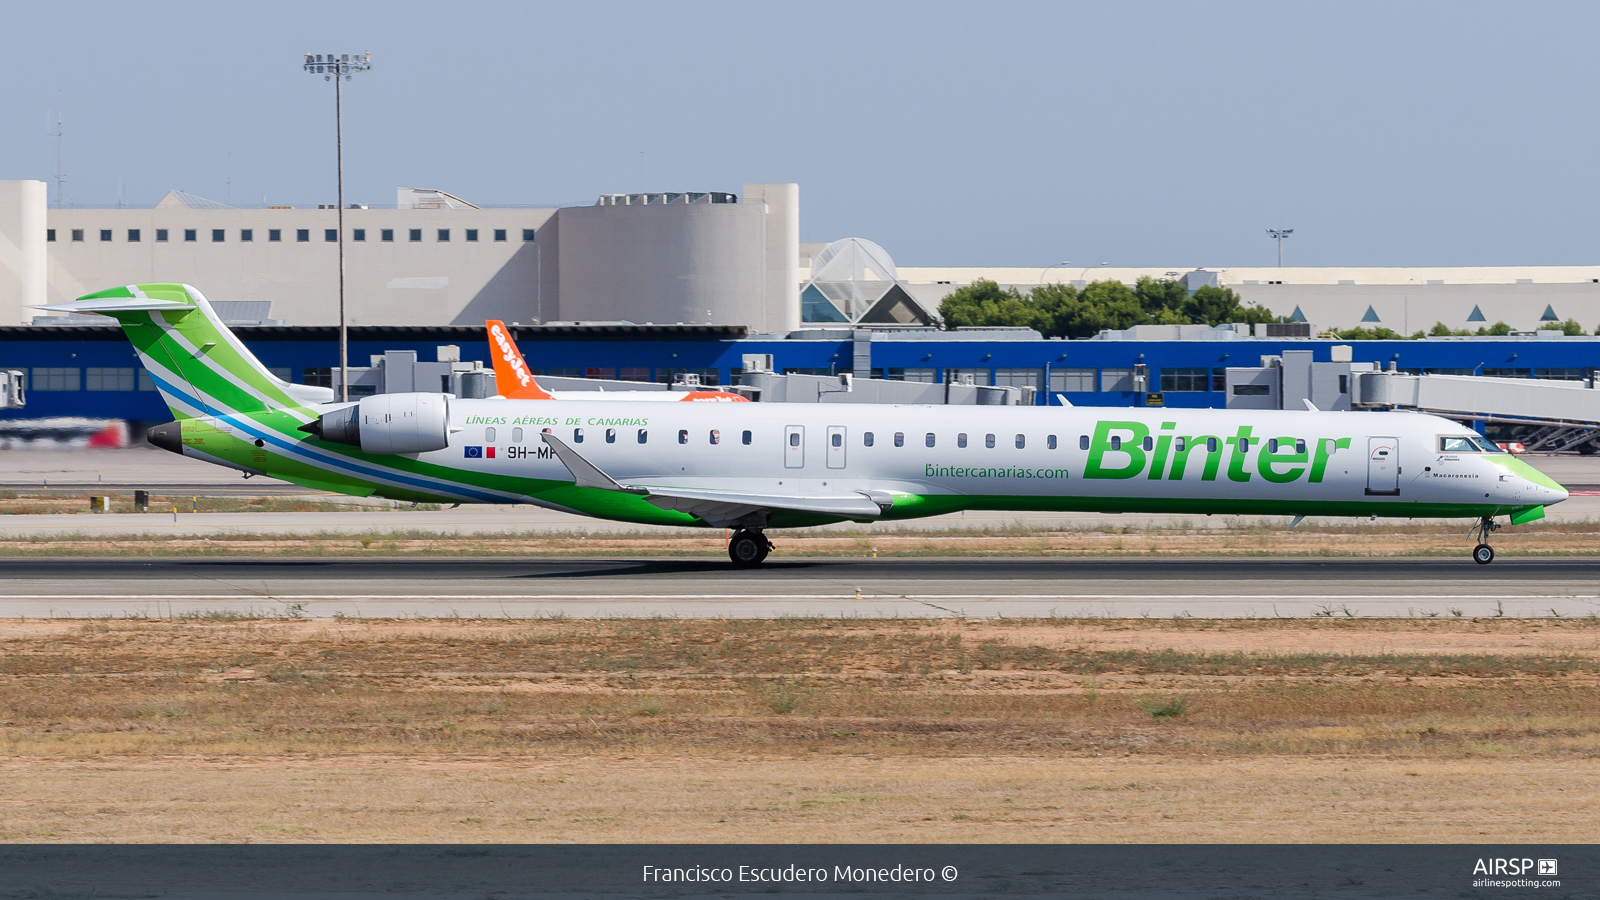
{"type": "Point", "coordinates": [218, 729]}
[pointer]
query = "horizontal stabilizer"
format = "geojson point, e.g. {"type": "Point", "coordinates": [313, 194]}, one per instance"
{"type": "Point", "coordinates": [116, 304]}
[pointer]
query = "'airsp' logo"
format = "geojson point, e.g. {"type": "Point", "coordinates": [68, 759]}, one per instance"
{"type": "Point", "coordinates": [509, 354]}
{"type": "Point", "coordinates": [1501, 866]}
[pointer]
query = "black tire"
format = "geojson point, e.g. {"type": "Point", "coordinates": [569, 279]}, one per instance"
{"type": "Point", "coordinates": [1483, 554]}
{"type": "Point", "coordinates": [747, 549]}
{"type": "Point", "coordinates": [766, 546]}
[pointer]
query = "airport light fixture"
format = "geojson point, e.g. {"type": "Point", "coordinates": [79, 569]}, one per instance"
{"type": "Point", "coordinates": [1042, 272]}
{"type": "Point", "coordinates": [1279, 234]}
{"type": "Point", "coordinates": [337, 68]}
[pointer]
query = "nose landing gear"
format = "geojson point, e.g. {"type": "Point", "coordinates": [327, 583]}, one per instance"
{"type": "Point", "coordinates": [1483, 554]}
{"type": "Point", "coordinates": [748, 549]}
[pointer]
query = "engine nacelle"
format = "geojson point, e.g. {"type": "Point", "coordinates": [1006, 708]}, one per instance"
{"type": "Point", "coordinates": [389, 423]}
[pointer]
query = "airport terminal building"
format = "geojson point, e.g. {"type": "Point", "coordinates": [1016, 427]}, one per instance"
{"type": "Point", "coordinates": [652, 287]}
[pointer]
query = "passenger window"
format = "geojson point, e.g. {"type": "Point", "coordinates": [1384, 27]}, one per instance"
{"type": "Point", "coordinates": [1149, 443]}
{"type": "Point", "coordinates": [899, 439]}
{"type": "Point", "coordinates": [516, 435]}
{"type": "Point", "coordinates": [1272, 445]}
{"type": "Point", "coordinates": [1244, 445]}
{"type": "Point", "coordinates": [488, 435]}
{"type": "Point", "coordinates": [1211, 445]}
{"type": "Point", "coordinates": [577, 435]}
{"type": "Point", "coordinates": [1050, 442]}
{"type": "Point", "coordinates": [745, 437]}
{"type": "Point", "coordinates": [1299, 445]}
{"type": "Point", "coordinates": [1083, 442]}
{"type": "Point", "coordinates": [644, 435]}
{"type": "Point", "coordinates": [794, 439]}
{"type": "Point", "coordinates": [1181, 443]}
{"type": "Point", "coordinates": [611, 435]}
{"type": "Point", "coordinates": [716, 436]}
{"type": "Point", "coordinates": [961, 439]}
{"type": "Point", "coordinates": [929, 439]}
{"type": "Point", "coordinates": [866, 439]}
{"type": "Point", "coordinates": [1021, 442]}
{"type": "Point", "coordinates": [683, 435]}
{"type": "Point", "coordinates": [1116, 442]}
{"type": "Point", "coordinates": [988, 441]}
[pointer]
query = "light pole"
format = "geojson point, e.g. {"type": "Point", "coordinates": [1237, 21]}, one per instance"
{"type": "Point", "coordinates": [1279, 234]}
{"type": "Point", "coordinates": [338, 67]}
{"type": "Point", "coordinates": [1064, 262]}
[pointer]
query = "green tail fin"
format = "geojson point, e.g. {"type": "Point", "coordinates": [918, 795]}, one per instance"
{"type": "Point", "coordinates": [198, 365]}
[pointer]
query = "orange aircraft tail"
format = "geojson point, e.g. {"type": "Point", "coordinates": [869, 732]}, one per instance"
{"type": "Point", "coordinates": [512, 380]}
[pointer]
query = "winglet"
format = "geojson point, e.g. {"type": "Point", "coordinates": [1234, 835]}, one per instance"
{"type": "Point", "coordinates": [512, 380]}
{"type": "Point", "coordinates": [585, 473]}
{"type": "Point", "coordinates": [1309, 405]}
{"type": "Point", "coordinates": [1062, 399]}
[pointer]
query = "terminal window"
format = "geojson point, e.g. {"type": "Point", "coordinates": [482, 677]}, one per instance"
{"type": "Point", "coordinates": [1116, 379]}
{"type": "Point", "coordinates": [387, 234]}
{"type": "Point", "coordinates": [1185, 379]}
{"type": "Point", "coordinates": [330, 235]}
{"type": "Point", "coordinates": [274, 234]}
{"type": "Point", "coordinates": [50, 234]}
{"type": "Point", "coordinates": [634, 373]}
{"type": "Point", "coordinates": [47, 378]}
{"type": "Point", "coordinates": [416, 235]}
{"type": "Point", "coordinates": [133, 235]}
{"type": "Point", "coordinates": [218, 235]}
{"type": "Point", "coordinates": [1018, 377]}
{"type": "Point", "coordinates": [105, 234]}
{"type": "Point", "coordinates": [527, 234]}
{"type": "Point", "coordinates": [499, 234]}
{"type": "Point", "coordinates": [472, 234]}
{"type": "Point", "coordinates": [247, 234]}
{"type": "Point", "coordinates": [146, 383]}
{"type": "Point", "coordinates": [604, 374]}
{"type": "Point", "coordinates": [302, 235]}
{"type": "Point", "coordinates": [444, 234]}
{"type": "Point", "coordinates": [161, 235]}
{"type": "Point", "coordinates": [317, 377]}
{"type": "Point", "coordinates": [108, 379]}
{"type": "Point", "coordinates": [1079, 380]}
{"type": "Point", "coordinates": [191, 235]}
{"type": "Point", "coordinates": [77, 234]}
{"type": "Point", "coordinates": [358, 234]}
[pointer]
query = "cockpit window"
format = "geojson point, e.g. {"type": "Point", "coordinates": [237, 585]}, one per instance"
{"type": "Point", "coordinates": [1465, 444]}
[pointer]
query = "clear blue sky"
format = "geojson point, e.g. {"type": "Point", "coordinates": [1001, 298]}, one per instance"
{"type": "Point", "coordinates": [982, 133]}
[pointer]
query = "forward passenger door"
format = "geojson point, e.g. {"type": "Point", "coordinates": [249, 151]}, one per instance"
{"type": "Point", "coordinates": [1383, 466]}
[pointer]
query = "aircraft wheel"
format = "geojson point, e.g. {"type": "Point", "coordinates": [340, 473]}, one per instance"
{"type": "Point", "coordinates": [747, 549]}
{"type": "Point", "coordinates": [1483, 554]}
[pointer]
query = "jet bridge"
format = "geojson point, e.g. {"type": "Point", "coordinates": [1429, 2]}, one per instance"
{"type": "Point", "coordinates": [1566, 414]}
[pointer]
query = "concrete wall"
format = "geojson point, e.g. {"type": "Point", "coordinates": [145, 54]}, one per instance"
{"type": "Point", "coordinates": [23, 261]}
{"type": "Point", "coordinates": [782, 300]}
{"type": "Point", "coordinates": [666, 263]}
{"type": "Point", "coordinates": [429, 282]}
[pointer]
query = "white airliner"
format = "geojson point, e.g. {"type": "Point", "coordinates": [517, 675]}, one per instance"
{"type": "Point", "coordinates": [514, 381]}
{"type": "Point", "coordinates": [751, 467]}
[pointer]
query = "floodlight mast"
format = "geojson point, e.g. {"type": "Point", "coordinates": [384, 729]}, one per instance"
{"type": "Point", "coordinates": [1279, 234]}
{"type": "Point", "coordinates": [338, 67]}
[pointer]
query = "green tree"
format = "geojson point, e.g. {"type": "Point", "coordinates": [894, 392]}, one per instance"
{"type": "Point", "coordinates": [1162, 299]}
{"type": "Point", "coordinates": [984, 302]}
{"type": "Point", "coordinates": [1381, 333]}
{"type": "Point", "coordinates": [1440, 329]}
{"type": "Point", "coordinates": [1570, 326]}
{"type": "Point", "coordinates": [1498, 329]}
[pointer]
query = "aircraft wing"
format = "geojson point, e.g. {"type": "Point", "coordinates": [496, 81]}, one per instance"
{"type": "Point", "coordinates": [721, 509]}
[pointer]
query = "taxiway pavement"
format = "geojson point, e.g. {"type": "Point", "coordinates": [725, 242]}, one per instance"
{"type": "Point", "coordinates": [868, 588]}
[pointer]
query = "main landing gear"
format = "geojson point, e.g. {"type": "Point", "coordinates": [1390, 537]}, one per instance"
{"type": "Point", "coordinates": [748, 548]}
{"type": "Point", "coordinates": [1483, 554]}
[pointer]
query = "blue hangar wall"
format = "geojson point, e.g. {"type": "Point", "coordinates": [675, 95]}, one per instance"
{"type": "Point", "coordinates": [91, 371]}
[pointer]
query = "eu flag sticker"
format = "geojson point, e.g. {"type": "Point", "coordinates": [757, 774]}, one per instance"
{"type": "Point", "coordinates": [474, 452]}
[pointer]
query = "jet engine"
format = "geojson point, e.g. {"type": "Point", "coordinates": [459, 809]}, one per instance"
{"type": "Point", "coordinates": [388, 423]}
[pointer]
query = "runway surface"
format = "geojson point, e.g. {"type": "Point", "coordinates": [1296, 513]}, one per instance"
{"type": "Point", "coordinates": [918, 588]}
